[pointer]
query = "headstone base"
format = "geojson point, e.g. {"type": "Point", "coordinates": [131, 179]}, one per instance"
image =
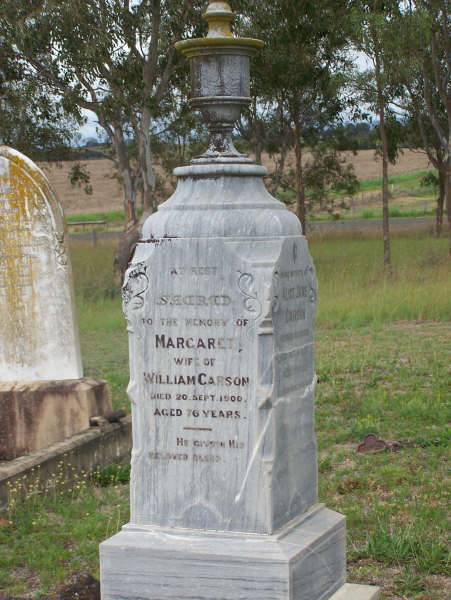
{"type": "Point", "coordinates": [305, 561]}
{"type": "Point", "coordinates": [36, 415]}
{"type": "Point", "coordinates": [60, 464]}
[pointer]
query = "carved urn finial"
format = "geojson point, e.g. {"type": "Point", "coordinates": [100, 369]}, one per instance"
{"type": "Point", "coordinates": [219, 17]}
{"type": "Point", "coordinates": [220, 80]}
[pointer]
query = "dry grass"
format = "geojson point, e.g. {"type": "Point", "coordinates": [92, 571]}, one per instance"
{"type": "Point", "coordinates": [367, 165]}
{"type": "Point", "coordinates": [107, 193]}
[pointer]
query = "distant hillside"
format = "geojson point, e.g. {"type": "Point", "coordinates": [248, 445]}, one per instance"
{"type": "Point", "coordinates": [107, 192]}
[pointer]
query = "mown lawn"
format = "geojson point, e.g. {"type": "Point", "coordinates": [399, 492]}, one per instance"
{"type": "Point", "coordinates": [383, 361]}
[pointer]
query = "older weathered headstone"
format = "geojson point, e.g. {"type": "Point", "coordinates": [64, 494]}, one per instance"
{"type": "Point", "coordinates": [43, 398]}
{"type": "Point", "coordinates": [38, 337]}
{"type": "Point", "coordinates": [220, 303]}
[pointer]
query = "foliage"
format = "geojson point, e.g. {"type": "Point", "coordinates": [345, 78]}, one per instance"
{"type": "Point", "coordinates": [426, 97]}
{"type": "Point", "coordinates": [31, 119]}
{"type": "Point", "coordinates": [328, 176]}
{"type": "Point", "coordinates": [79, 176]}
{"type": "Point", "coordinates": [353, 136]}
{"type": "Point", "coordinates": [123, 76]}
{"type": "Point", "coordinates": [430, 179]}
{"type": "Point", "coordinates": [300, 75]}
{"type": "Point", "coordinates": [112, 475]}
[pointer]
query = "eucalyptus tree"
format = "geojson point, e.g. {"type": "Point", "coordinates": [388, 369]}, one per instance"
{"type": "Point", "coordinates": [115, 58]}
{"type": "Point", "coordinates": [427, 97]}
{"type": "Point", "coordinates": [302, 68]}
{"type": "Point", "coordinates": [31, 119]}
{"type": "Point", "coordinates": [377, 34]}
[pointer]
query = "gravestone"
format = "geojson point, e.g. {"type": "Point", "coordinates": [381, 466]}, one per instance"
{"type": "Point", "coordinates": [220, 302]}
{"type": "Point", "coordinates": [43, 396]}
{"type": "Point", "coordinates": [38, 338]}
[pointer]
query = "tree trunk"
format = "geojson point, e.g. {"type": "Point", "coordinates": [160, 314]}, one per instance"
{"type": "Point", "coordinates": [300, 186]}
{"type": "Point", "coordinates": [279, 167]}
{"type": "Point", "coordinates": [385, 208]}
{"type": "Point", "coordinates": [283, 151]}
{"type": "Point", "coordinates": [125, 173]}
{"type": "Point", "coordinates": [448, 200]}
{"type": "Point", "coordinates": [150, 204]}
{"type": "Point", "coordinates": [440, 204]}
{"type": "Point", "coordinates": [258, 140]}
{"type": "Point", "coordinates": [384, 142]}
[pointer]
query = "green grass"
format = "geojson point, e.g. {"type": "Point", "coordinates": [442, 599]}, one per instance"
{"type": "Point", "coordinates": [354, 291]}
{"type": "Point", "coordinates": [111, 217]}
{"type": "Point", "coordinates": [47, 537]}
{"type": "Point", "coordinates": [397, 212]}
{"type": "Point", "coordinates": [392, 381]}
{"type": "Point", "coordinates": [421, 199]}
{"type": "Point", "coordinates": [405, 183]}
{"type": "Point", "coordinates": [383, 367]}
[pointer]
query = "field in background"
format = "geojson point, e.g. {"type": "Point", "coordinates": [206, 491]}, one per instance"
{"type": "Point", "coordinates": [106, 195]}
{"type": "Point", "coordinates": [383, 367]}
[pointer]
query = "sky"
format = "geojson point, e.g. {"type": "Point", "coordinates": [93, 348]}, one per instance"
{"type": "Point", "coordinates": [89, 129]}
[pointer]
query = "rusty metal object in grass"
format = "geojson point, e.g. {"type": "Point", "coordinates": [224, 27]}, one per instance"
{"type": "Point", "coordinates": [373, 445]}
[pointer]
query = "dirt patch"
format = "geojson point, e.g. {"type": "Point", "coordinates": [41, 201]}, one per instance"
{"type": "Point", "coordinates": [85, 587]}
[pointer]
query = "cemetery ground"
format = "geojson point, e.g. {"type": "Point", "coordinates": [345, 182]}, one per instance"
{"type": "Point", "coordinates": [383, 362]}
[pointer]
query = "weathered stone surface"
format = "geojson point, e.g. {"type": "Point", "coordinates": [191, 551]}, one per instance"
{"type": "Point", "coordinates": [222, 391]}
{"type": "Point", "coordinates": [38, 414]}
{"type": "Point", "coordinates": [38, 336]}
{"type": "Point", "coordinates": [222, 382]}
{"type": "Point", "coordinates": [304, 562]}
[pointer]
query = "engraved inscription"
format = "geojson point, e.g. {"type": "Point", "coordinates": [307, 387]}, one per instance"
{"type": "Point", "coordinates": [195, 381]}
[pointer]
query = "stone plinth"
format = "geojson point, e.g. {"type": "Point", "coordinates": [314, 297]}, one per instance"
{"type": "Point", "coordinates": [304, 561]}
{"type": "Point", "coordinates": [36, 415]}
{"type": "Point", "coordinates": [352, 591]}
{"type": "Point", "coordinates": [38, 333]}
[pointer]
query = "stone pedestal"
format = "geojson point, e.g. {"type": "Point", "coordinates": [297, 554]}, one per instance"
{"type": "Point", "coordinates": [220, 301]}
{"type": "Point", "coordinates": [224, 462]}
{"type": "Point", "coordinates": [35, 415]}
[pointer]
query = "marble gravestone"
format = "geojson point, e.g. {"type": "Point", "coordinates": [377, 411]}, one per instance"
{"type": "Point", "coordinates": [39, 338]}
{"type": "Point", "coordinates": [220, 302]}
{"type": "Point", "coordinates": [43, 397]}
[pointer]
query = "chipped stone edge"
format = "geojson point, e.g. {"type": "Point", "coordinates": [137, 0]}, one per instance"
{"type": "Point", "coordinates": [352, 591]}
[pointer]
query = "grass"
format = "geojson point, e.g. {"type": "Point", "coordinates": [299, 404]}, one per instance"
{"type": "Point", "coordinates": [398, 213]}
{"type": "Point", "coordinates": [409, 198]}
{"type": "Point", "coordinates": [392, 381]}
{"type": "Point", "coordinates": [47, 537]}
{"type": "Point", "coordinates": [403, 183]}
{"type": "Point", "coordinates": [354, 291]}
{"type": "Point", "coordinates": [115, 217]}
{"type": "Point", "coordinates": [383, 367]}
